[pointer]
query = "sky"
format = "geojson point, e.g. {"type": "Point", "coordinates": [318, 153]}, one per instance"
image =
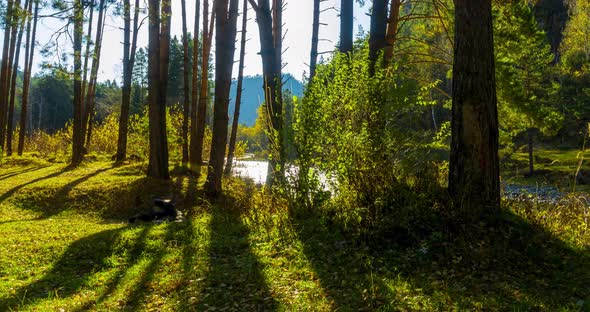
{"type": "Point", "coordinates": [297, 17]}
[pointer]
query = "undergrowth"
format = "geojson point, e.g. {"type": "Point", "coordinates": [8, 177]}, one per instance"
{"type": "Point", "coordinates": [65, 244]}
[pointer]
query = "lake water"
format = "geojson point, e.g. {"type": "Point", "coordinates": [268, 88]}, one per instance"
{"type": "Point", "coordinates": [256, 170]}
{"type": "Point", "coordinates": [251, 169]}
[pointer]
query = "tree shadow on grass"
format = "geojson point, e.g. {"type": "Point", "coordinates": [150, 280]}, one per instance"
{"type": "Point", "coordinates": [511, 265]}
{"type": "Point", "coordinates": [11, 174]}
{"type": "Point", "coordinates": [143, 286]}
{"type": "Point", "coordinates": [235, 280]}
{"type": "Point", "coordinates": [15, 189]}
{"type": "Point", "coordinates": [133, 255]}
{"type": "Point", "coordinates": [107, 202]}
{"type": "Point", "coordinates": [343, 269]}
{"type": "Point", "coordinates": [174, 233]}
{"type": "Point", "coordinates": [56, 202]}
{"type": "Point", "coordinates": [70, 273]}
{"type": "Point", "coordinates": [87, 264]}
{"type": "Point", "coordinates": [87, 258]}
{"type": "Point", "coordinates": [60, 200]}
{"type": "Point", "coordinates": [16, 221]}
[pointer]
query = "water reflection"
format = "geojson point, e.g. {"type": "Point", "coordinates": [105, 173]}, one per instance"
{"type": "Point", "coordinates": [257, 170]}
{"type": "Point", "coordinates": [251, 169]}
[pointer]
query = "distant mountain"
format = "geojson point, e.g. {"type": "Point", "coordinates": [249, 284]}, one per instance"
{"type": "Point", "coordinates": [253, 96]}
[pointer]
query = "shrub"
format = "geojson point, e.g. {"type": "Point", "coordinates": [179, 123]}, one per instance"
{"type": "Point", "coordinates": [105, 134]}
{"type": "Point", "coordinates": [364, 135]}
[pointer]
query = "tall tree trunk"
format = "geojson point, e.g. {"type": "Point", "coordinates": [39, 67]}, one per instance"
{"type": "Point", "coordinates": [275, 175]}
{"type": "Point", "coordinates": [4, 72]}
{"type": "Point", "coordinates": [185, 91]}
{"type": "Point", "coordinates": [193, 161]}
{"type": "Point", "coordinates": [128, 63]}
{"type": "Point", "coordinates": [10, 119]}
{"type": "Point", "coordinates": [392, 29]}
{"type": "Point", "coordinates": [346, 25]}
{"type": "Point", "coordinates": [87, 52]}
{"type": "Point", "coordinates": [277, 33]}
{"type": "Point", "coordinates": [78, 135]}
{"type": "Point", "coordinates": [238, 101]}
{"type": "Point", "coordinates": [473, 167]}
{"type": "Point", "coordinates": [314, 39]}
{"type": "Point", "coordinates": [225, 37]}
{"type": "Point", "coordinates": [29, 57]}
{"type": "Point", "coordinates": [204, 93]}
{"type": "Point", "coordinates": [165, 18]}
{"type": "Point", "coordinates": [158, 158]}
{"type": "Point", "coordinates": [377, 33]}
{"type": "Point", "coordinates": [270, 33]}
{"type": "Point", "coordinates": [126, 89]}
{"type": "Point", "coordinates": [91, 92]}
{"type": "Point", "coordinates": [8, 83]}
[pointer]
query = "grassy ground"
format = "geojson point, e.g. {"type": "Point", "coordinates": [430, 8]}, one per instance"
{"type": "Point", "coordinates": [555, 167]}
{"type": "Point", "coordinates": [65, 245]}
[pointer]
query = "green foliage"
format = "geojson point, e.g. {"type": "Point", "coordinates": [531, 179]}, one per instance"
{"type": "Point", "coordinates": [575, 47]}
{"type": "Point", "coordinates": [255, 137]}
{"type": "Point", "coordinates": [575, 67]}
{"type": "Point", "coordinates": [362, 137]}
{"type": "Point", "coordinates": [51, 101]}
{"type": "Point", "coordinates": [527, 85]}
{"type": "Point", "coordinates": [57, 145]}
{"type": "Point", "coordinates": [105, 135]}
{"type": "Point", "coordinates": [65, 244]}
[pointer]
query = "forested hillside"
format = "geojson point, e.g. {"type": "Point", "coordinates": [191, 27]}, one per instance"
{"type": "Point", "coordinates": [253, 96]}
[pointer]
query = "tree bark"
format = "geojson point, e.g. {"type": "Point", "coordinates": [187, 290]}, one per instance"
{"type": "Point", "coordinates": [392, 29]}
{"type": "Point", "coordinates": [78, 135]}
{"type": "Point", "coordinates": [474, 167]}
{"type": "Point", "coordinates": [270, 42]}
{"type": "Point", "coordinates": [204, 93]}
{"type": "Point", "coordinates": [346, 25]}
{"type": "Point", "coordinates": [225, 37]}
{"type": "Point", "coordinates": [165, 18]}
{"type": "Point", "coordinates": [87, 52]}
{"type": "Point", "coordinates": [29, 57]}
{"type": "Point", "coordinates": [128, 63]}
{"type": "Point", "coordinates": [195, 84]}
{"type": "Point", "coordinates": [185, 95]}
{"type": "Point", "coordinates": [91, 92]}
{"type": "Point", "coordinates": [10, 119]}
{"type": "Point", "coordinates": [276, 165]}
{"type": "Point", "coordinates": [126, 89]}
{"type": "Point", "coordinates": [158, 158]}
{"type": "Point", "coordinates": [8, 82]}
{"type": "Point", "coordinates": [377, 33]}
{"type": "Point", "coordinates": [234, 128]}
{"type": "Point", "coordinates": [4, 72]}
{"type": "Point", "coordinates": [314, 39]}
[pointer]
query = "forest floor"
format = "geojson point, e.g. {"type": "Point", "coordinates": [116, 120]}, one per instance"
{"type": "Point", "coordinates": [553, 167]}
{"type": "Point", "coordinates": [65, 245]}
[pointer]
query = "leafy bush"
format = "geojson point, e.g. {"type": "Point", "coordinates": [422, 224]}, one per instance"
{"type": "Point", "coordinates": [56, 146]}
{"type": "Point", "coordinates": [105, 135]}
{"type": "Point", "coordinates": [364, 136]}
{"type": "Point", "coordinates": [104, 138]}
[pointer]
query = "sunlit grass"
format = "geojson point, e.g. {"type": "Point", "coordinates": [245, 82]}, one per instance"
{"type": "Point", "coordinates": [555, 168]}
{"type": "Point", "coordinates": [65, 243]}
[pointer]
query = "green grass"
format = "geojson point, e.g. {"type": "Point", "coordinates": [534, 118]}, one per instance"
{"type": "Point", "coordinates": [64, 243]}
{"type": "Point", "coordinates": [558, 166]}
